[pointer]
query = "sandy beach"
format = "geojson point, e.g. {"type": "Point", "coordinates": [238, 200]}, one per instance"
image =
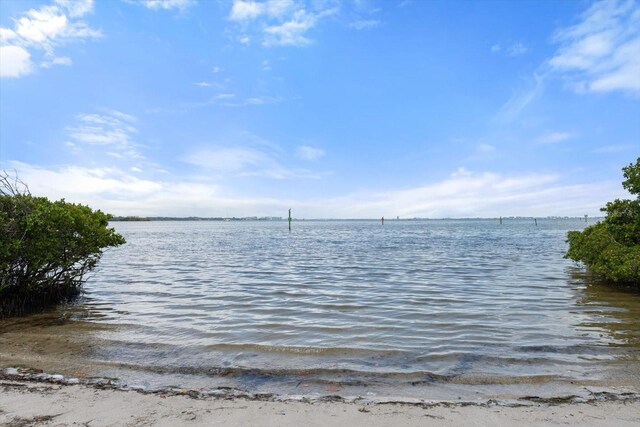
{"type": "Point", "coordinates": [46, 404]}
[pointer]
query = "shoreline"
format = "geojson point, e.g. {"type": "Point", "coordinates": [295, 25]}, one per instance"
{"type": "Point", "coordinates": [26, 399]}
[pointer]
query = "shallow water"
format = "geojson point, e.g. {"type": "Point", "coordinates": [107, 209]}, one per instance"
{"type": "Point", "coordinates": [452, 301]}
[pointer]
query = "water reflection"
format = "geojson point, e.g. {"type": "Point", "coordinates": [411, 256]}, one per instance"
{"type": "Point", "coordinates": [613, 310]}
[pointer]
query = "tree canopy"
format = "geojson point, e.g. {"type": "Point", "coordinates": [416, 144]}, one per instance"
{"type": "Point", "coordinates": [46, 247]}
{"type": "Point", "coordinates": [611, 247]}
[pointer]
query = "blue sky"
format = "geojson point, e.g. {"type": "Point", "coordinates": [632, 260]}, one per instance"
{"type": "Point", "coordinates": [337, 109]}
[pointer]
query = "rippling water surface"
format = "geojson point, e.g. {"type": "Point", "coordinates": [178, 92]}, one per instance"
{"type": "Point", "coordinates": [453, 299]}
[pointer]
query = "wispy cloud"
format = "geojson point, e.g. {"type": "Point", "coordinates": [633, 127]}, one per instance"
{"type": "Point", "coordinates": [307, 152]}
{"type": "Point", "coordinates": [58, 60]}
{"type": "Point", "coordinates": [112, 129]}
{"type": "Point", "coordinates": [486, 194]}
{"type": "Point", "coordinates": [278, 22]}
{"type": "Point", "coordinates": [39, 32]}
{"type": "Point", "coordinates": [165, 4]}
{"type": "Point", "coordinates": [555, 137]}
{"type": "Point", "coordinates": [246, 155]}
{"type": "Point", "coordinates": [520, 99]}
{"type": "Point", "coordinates": [601, 53]}
{"type": "Point", "coordinates": [463, 194]}
{"type": "Point", "coordinates": [515, 49]}
{"type": "Point", "coordinates": [365, 24]}
{"type": "Point", "coordinates": [232, 100]}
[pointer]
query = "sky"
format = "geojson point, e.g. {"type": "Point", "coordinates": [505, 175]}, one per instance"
{"type": "Point", "coordinates": [336, 109]}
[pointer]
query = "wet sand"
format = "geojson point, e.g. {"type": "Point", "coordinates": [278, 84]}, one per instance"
{"type": "Point", "coordinates": [52, 342]}
{"type": "Point", "coordinates": [37, 403]}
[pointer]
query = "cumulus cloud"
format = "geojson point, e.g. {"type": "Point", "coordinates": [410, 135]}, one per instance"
{"type": "Point", "coordinates": [39, 32]}
{"type": "Point", "coordinates": [601, 53]}
{"type": "Point", "coordinates": [15, 61]}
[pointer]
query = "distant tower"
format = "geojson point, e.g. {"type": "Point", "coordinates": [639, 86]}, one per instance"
{"type": "Point", "coordinates": [585, 217]}
{"type": "Point", "coordinates": [289, 219]}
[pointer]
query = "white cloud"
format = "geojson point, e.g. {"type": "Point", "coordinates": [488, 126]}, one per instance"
{"type": "Point", "coordinates": [463, 194]}
{"type": "Point", "coordinates": [555, 137]}
{"type": "Point", "coordinates": [309, 153]}
{"type": "Point", "coordinates": [76, 8]}
{"type": "Point", "coordinates": [365, 24]}
{"type": "Point", "coordinates": [41, 31]}
{"type": "Point", "coordinates": [14, 61]}
{"type": "Point", "coordinates": [278, 22]}
{"type": "Point", "coordinates": [225, 96]}
{"type": "Point", "coordinates": [243, 10]}
{"type": "Point", "coordinates": [77, 182]}
{"type": "Point", "coordinates": [520, 100]}
{"type": "Point", "coordinates": [225, 160]}
{"type": "Point", "coordinates": [517, 49]}
{"type": "Point", "coordinates": [224, 99]}
{"type": "Point", "coordinates": [111, 129]}
{"type": "Point", "coordinates": [602, 52]}
{"type": "Point", "coordinates": [58, 60]}
{"type": "Point", "coordinates": [257, 158]}
{"type": "Point", "coordinates": [468, 194]}
{"type": "Point", "coordinates": [167, 4]}
{"type": "Point", "coordinates": [290, 33]}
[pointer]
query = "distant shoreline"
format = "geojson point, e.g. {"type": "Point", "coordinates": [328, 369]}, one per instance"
{"type": "Point", "coordinates": [282, 219]}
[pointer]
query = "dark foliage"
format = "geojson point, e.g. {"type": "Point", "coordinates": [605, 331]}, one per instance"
{"type": "Point", "coordinates": [46, 247]}
{"type": "Point", "coordinates": [611, 248]}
